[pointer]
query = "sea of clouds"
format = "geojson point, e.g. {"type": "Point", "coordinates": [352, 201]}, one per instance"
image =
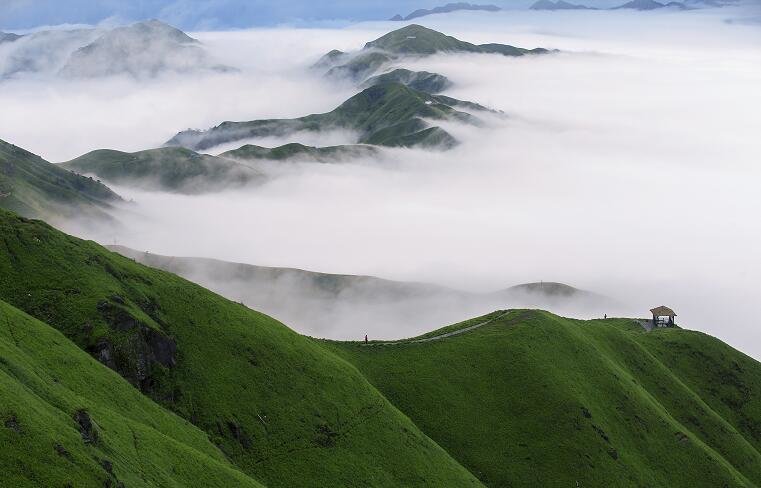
{"type": "Point", "coordinates": [627, 163]}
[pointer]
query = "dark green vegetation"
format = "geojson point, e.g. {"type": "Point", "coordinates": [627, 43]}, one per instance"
{"type": "Point", "coordinates": [68, 420]}
{"type": "Point", "coordinates": [418, 40]}
{"type": "Point", "coordinates": [358, 67]}
{"type": "Point", "coordinates": [409, 41]}
{"type": "Point", "coordinates": [532, 399]}
{"type": "Point", "coordinates": [388, 114]}
{"type": "Point", "coordinates": [279, 406]}
{"type": "Point", "coordinates": [417, 80]}
{"type": "Point", "coordinates": [515, 398]}
{"type": "Point", "coordinates": [391, 109]}
{"type": "Point", "coordinates": [33, 187]}
{"type": "Point", "coordinates": [300, 152]}
{"type": "Point", "coordinates": [173, 169]}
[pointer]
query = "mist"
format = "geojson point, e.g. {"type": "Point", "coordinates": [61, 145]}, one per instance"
{"type": "Point", "coordinates": [627, 165]}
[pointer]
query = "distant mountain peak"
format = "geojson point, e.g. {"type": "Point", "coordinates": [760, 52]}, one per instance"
{"type": "Point", "coordinates": [8, 37]}
{"type": "Point", "coordinates": [559, 5]}
{"type": "Point", "coordinates": [450, 7]}
{"type": "Point", "coordinates": [641, 5]}
{"type": "Point", "coordinates": [143, 49]}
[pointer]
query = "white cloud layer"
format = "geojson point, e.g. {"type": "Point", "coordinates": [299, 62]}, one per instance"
{"type": "Point", "coordinates": [628, 164]}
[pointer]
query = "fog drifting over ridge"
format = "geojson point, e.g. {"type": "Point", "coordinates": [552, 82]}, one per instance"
{"type": "Point", "coordinates": [627, 164]}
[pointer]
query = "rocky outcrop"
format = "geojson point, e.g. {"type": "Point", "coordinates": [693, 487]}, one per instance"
{"type": "Point", "coordinates": [87, 428]}
{"type": "Point", "coordinates": [133, 348]}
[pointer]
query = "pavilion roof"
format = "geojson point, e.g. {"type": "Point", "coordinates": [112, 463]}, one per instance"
{"type": "Point", "coordinates": [663, 311]}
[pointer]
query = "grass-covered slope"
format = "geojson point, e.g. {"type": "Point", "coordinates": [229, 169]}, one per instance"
{"type": "Point", "coordinates": [532, 399]}
{"type": "Point", "coordinates": [67, 420]}
{"type": "Point", "coordinates": [410, 41]}
{"type": "Point", "coordinates": [389, 114]}
{"type": "Point", "coordinates": [172, 169]}
{"type": "Point", "coordinates": [280, 406]}
{"type": "Point", "coordinates": [417, 40]}
{"type": "Point", "coordinates": [299, 152]}
{"type": "Point", "coordinates": [423, 81]}
{"type": "Point", "coordinates": [33, 187]}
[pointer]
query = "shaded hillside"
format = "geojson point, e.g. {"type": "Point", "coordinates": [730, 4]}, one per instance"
{"type": "Point", "coordinates": [171, 169]}
{"type": "Point", "coordinates": [421, 41]}
{"type": "Point", "coordinates": [33, 187]}
{"type": "Point", "coordinates": [389, 114]}
{"type": "Point", "coordinates": [417, 80]}
{"type": "Point", "coordinates": [343, 306]}
{"type": "Point", "coordinates": [393, 109]}
{"type": "Point", "coordinates": [300, 152]}
{"type": "Point", "coordinates": [279, 406]}
{"type": "Point", "coordinates": [533, 399]}
{"type": "Point", "coordinates": [68, 420]}
{"type": "Point", "coordinates": [409, 41]}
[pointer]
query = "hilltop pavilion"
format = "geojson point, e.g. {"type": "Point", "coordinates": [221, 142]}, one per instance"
{"type": "Point", "coordinates": [663, 316]}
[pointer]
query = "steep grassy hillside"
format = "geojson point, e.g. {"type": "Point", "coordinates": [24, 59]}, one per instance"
{"type": "Point", "coordinates": [410, 41]}
{"type": "Point", "coordinates": [417, 40]}
{"type": "Point", "coordinates": [423, 81]}
{"type": "Point", "coordinates": [300, 152]}
{"type": "Point", "coordinates": [172, 169]}
{"type": "Point", "coordinates": [70, 421]}
{"type": "Point", "coordinates": [279, 406]}
{"type": "Point", "coordinates": [532, 399]}
{"type": "Point", "coordinates": [388, 114]}
{"type": "Point", "coordinates": [33, 187]}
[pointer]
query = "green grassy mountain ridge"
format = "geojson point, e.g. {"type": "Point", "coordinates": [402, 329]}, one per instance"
{"type": "Point", "coordinates": [423, 81]}
{"type": "Point", "coordinates": [388, 114]}
{"type": "Point", "coordinates": [532, 399]}
{"type": "Point", "coordinates": [300, 152]}
{"type": "Point", "coordinates": [279, 406]}
{"type": "Point", "coordinates": [173, 169]}
{"type": "Point", "coordinates": [418, 40]}
{"type": "Point", "coordinates": [68, 420]}
{"type": "Point", "coordinates": [181, 170]}
{"type": "Point", "coordinates": [33, 187]}
{"type": "Point", "coordinates": [513, 398]}
{"type": "Point", "coordinates": [410, 41]}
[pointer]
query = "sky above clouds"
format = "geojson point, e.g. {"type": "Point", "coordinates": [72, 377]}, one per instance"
{"type": "Point", "coordinates": [219, 14]}
{"type": "Point", "coordinates": [196, 14]}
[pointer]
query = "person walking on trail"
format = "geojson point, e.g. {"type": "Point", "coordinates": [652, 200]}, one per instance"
{"type": "Point", "coordinates": [365, 338]}
{"type": "Point", "coordinates": [606, 316]}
